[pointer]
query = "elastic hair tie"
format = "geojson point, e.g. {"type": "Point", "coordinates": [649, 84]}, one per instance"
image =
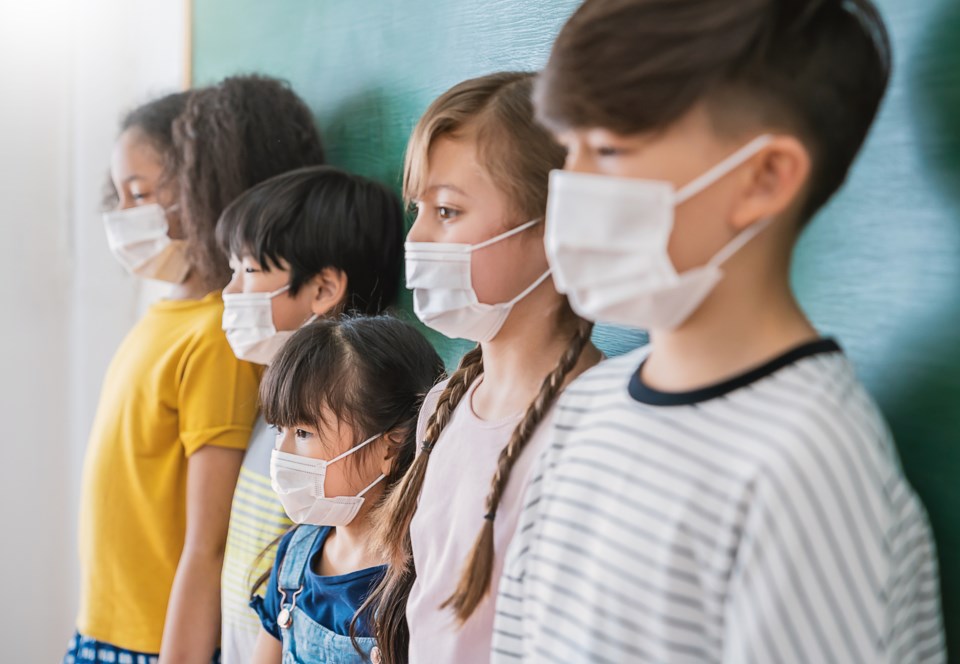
{"type": "Point", "coordinates": [490, 516]}
{"type": "Point", "coordinates": [426, 447]}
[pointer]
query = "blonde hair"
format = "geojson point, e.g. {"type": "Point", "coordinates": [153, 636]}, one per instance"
{"type": "Point", "coordinates": [518, 154]}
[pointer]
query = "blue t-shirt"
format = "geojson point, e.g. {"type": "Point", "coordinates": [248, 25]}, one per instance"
{"type": "Point", "coordinates": [329, 600]}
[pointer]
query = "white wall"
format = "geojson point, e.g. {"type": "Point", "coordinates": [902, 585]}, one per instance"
{"type": "Point", "coordinates": [68, 71]}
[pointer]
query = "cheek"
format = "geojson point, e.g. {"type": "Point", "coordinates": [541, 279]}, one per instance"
{"type": "Point", "coordinates": [493, 275]}
{"type": "Point", "coordinates": [175, 223]}
{"type": "Point", "coordinates": [348, 477]}
{"type": "Point", "coordinates": [501, 273]}
{"type": "Point", "coordinates": [699, 231]}
{"type": "Point", "coordinates": [291, 313]}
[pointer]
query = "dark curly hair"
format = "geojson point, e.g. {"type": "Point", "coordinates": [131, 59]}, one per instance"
{"type": "Point", "coordinates": [229, 137]}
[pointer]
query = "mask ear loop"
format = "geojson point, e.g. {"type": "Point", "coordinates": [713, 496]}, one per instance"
{"type": "Point", "coordinates": [371, 485]}
{"type": "Point", "coordinates": [529, 289]}
{"type": "Point", "coordinates": [738, 242]}
{"type": "Point", "coordinates": [354, 449]}
{"type": "Point", "coordinates": [739, 157]}
{"type": "Point", "coordinates": [504, 236]}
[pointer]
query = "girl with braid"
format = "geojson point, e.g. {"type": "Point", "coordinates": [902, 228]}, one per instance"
{"type": "Point", "coordinates": [476, 172]}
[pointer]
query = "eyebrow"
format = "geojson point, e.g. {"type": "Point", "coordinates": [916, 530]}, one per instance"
{"type": "Point", "coordinates": [452, 188]}
{"type": "Point", "coordinates": [131, 178]}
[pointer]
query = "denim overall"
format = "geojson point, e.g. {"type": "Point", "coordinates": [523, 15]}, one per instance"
{"type": "Point", "coordinates": [304, 640]}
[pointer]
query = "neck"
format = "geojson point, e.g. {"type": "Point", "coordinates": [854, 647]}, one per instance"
{"type": "Point", "coordinates": [192, 288]}
{"type": "Point", "coordinates": [525, 351]}
{"type": "Point", "coordinates": [347, 547]}
{"type": "Point", "coordinates": [745, 322]}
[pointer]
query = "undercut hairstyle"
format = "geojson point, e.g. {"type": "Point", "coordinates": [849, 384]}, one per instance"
{"type": "Point", "coordinates": [816, 69]}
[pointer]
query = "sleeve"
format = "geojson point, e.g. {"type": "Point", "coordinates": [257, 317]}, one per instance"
{"type": "Point", "coordinates": [217, 395]}
{"type": "Point", "coordinates": [268, 606]}
{"type": "Point", "coordinates": [815, 579]}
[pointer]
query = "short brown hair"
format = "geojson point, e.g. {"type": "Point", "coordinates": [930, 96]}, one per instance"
{"type": "Point", "coordinates": [815, 68]}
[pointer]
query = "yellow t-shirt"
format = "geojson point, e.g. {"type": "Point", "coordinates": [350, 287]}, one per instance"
{"type": "Point", "coordinates": [173, 386]}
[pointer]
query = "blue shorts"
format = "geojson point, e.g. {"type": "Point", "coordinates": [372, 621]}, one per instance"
{"type": "Point", "coordinates": [84, 650]}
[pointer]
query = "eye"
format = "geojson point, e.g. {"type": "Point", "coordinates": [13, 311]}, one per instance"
{"type": "Point", "coordinates": [139, 196]}
{"type": "Point", "coordinates": [447, 213]}
{"type": "Point", "coordinates": [250, 270]}
{"type": "Point", "coordinates": [302, 434]}
{"type": "Point", "coordinates": [608, 151]}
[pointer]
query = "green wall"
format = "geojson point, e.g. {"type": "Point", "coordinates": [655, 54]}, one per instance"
{"type": "Point", "coordinates": [879, 269]}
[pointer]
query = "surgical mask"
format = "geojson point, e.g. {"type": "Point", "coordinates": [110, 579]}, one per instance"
{"type": "Point", "coordinates": [606, 242]}
{"type": "Point", "coordinates": [443, 295]}
{"type": "Point", "coordinates": [248, 323]}
{"type": "Point", "coordinates": [298, 481]}
{"type": "Point", "coordinates": [138, 239]}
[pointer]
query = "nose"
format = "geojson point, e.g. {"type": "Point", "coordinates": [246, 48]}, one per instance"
{"type": "Point", "coordinates": [417, 232]}
{"type": "Point", "coordinates": [234, 286]}
{"type": "Point", "coordinates": [284, 442]}
{"type": "Point", "coordinates": [578, 161]}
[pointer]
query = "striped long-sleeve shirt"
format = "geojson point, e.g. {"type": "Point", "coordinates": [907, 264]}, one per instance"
{"type": "Point", "coordinates": [765, 519]}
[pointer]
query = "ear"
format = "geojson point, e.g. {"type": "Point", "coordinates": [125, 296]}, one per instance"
{"type": "Point", "coordinates": [329, 289]}
{"type": "Point", "coordinates": [777, 178]}
{"type": "Point", "coordinates": [394, 443]}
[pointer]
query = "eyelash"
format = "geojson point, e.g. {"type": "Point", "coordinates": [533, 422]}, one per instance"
{"type": "Point", "coordinates": [299, 433]}
{"type": "Point", "coordinates": [608, 151]}
{"type": "Point", "coordinates": [453, 213]}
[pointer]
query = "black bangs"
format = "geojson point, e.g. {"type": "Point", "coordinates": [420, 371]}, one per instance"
{"type": "Point", "coordinates": [258, 223]}
{"type": "Point", "coordinates": [309, 380]}
{"type": "Point", "coordinates": [320, 217]}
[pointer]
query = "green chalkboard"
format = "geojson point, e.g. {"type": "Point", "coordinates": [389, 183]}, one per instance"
{"type": "Point", "coordinates": [879, 269]}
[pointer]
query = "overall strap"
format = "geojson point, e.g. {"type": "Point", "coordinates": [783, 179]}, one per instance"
{"type": "Point", "coordinates": [297, 557]}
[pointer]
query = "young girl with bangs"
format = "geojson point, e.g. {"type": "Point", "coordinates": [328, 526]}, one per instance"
{"type": "Point", "coordinates": [343, 396]}
{"type": "Point", "coordinates": [476, 170]}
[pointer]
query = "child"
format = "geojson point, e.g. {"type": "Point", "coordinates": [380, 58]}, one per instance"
{"type": "Point", "coordinates": [309, 243]}
{"type": "Point", "coordinates": [476, 169]}
{"type": "Point", "coordinates": [729, 493]}
{"type": "Point", "coordinates": [177, 406]}
{"type": "Point", "coordinates": [343, 396]}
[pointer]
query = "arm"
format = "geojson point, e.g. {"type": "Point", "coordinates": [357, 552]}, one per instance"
{"type": "Point", "coordinates": [818, 578]}
{"type": "Point", "coordinates": [267, 650]}
{"type": "Point", "coordinates": [192, 629]}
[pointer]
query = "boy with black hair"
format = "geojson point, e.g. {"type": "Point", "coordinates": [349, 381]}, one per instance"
{"type": "Point", "coordinates": [729, 493]}
{"type": "Point", "coordinates": [313, 242]}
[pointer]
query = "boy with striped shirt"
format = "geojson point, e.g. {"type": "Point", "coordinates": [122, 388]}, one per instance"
{"type": "Point", "coordinates": [729, 493]}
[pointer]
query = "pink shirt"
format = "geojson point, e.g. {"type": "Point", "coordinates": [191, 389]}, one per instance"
{"type": "Point", "coordinates": [448, 518]}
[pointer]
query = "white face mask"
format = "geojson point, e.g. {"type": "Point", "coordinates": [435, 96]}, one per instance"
{"type": "Point", "coordinates": [138, 240]}
{"type": "Point", "coordinates": [606, 242]}
{"type": "Point", "coordinates": [443, 295]}
{"type": "Point", "coordinates": [248, 322]}
{"type": "Point", "coordinates": [298, 481]}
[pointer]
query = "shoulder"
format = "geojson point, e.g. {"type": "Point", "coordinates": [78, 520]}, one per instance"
{"type": "Point", "coordinates": [606, 381]}
{"type": "Point", "coordinates": [610, 374]}
{"type": "Point", "coordinates": [432, 397]}
{"type": "Point", "coordinates": [207, 344]}
{"type": "Point", "coordinates": [206, 322]}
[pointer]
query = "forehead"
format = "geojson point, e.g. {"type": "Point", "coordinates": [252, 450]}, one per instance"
{"type": "Point", "coordinates": [453, 161]}
{"type": "Point", "coordinates": [134, 155]}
